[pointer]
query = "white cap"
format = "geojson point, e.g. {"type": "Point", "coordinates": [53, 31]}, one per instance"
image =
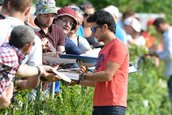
{"type": "Point", "coordinates": [113, 10]}
{"type": "Point", "coordinates": [134, 23]}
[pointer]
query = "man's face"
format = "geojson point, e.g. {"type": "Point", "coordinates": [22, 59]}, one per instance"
{"type": "Point", "coordinates": [98, 32]}
{"type": "Point", "coordinates": [65, 22]}
{"type": "Point", "coordinates": [46, 20]}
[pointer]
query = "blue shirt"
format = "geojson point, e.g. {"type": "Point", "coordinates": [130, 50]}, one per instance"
{"type": "Point", "coordinates": [120, 33]}
{"type": "Point", "coordinates": [71, 48]}
{"type": "Point", "coordinates": [80, 31]}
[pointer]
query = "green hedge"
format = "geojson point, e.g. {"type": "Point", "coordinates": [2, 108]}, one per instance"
{"type": "Point", "coordinates": [147, 94]}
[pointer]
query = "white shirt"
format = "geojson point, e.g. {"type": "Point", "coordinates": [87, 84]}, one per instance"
{"type": "Point", "coordinates": [6, 26]}
{"type": "Point", "coordinates": [83, 43]}
{"type": "Point", "coordinates": [166, 54]}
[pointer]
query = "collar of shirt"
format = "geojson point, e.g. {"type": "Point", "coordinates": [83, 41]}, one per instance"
{"type": "Point", "coordinates": [20, 55]}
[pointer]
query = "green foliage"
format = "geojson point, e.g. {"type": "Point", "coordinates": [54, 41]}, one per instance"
{"type": "Point", "coordinates": [147, 6]}
{"type": "Point", "coordinates": [147, 94]}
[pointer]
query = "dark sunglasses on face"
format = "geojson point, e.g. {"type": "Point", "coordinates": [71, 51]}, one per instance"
{"type": "Point", "coordinates": [93, 29]}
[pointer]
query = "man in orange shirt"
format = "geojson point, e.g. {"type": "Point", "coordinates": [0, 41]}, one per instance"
{"type": "Point", "coordinates": [110, 78]}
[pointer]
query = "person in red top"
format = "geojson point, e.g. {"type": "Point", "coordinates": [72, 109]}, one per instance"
{"type": "Point", "coordinates": [110, 78]}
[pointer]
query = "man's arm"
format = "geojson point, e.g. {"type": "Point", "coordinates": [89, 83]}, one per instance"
{"type": "Point", "coordinates": [105, 75]}
{"type": "Point", "coordinates": [26, 71]}
{"type": "Point", "coordinates": [87, 83]}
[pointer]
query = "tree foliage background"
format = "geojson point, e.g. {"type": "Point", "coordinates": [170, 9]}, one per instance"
{"type": "Point", "coordinates": [146, 6]}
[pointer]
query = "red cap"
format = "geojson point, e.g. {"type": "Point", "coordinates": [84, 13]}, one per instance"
{"type": "Point", "coordinates": [67, 11]}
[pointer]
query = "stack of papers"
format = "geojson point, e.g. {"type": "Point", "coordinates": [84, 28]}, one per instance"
{"type": "Point", "coordinates": [92, 53]}
{"type": "Point", "coordinates": [63, 76]}
{"type": "Point", "coordinates": [68, 74]}
{"type": "Point", "coordinates": [73, 73]}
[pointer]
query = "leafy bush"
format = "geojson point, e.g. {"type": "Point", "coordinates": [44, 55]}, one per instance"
{"type": "Point", "coordinates": [147, 94]}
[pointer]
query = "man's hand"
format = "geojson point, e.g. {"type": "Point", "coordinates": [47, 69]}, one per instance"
{"type": "Point", "coordinates": [47, 74]}
{"type": "Point", "coordinates": [74, 82]}
{"type": "Point", "coordinates": [20, 84]}
{"type": "Point", "coordinates": [50, 77]}
{"type": "Point", "coordinates": [83, 69]}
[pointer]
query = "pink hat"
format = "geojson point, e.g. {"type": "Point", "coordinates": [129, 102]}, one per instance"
{"type": "Point", "coordinates": [67, 11]}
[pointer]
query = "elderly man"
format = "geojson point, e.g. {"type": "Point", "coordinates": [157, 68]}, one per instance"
{"type": "Point", "coordinates": [11, 55]}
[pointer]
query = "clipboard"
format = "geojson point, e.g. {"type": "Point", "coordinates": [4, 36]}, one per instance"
{"type": "Point", "coordinates": [87, 60]}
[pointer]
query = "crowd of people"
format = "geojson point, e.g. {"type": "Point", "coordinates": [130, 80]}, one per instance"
{"type": "Point", "coordinates": [25, 39]}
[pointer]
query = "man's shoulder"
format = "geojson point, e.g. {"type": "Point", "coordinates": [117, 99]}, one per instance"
{"type": "Point", "coordinates": [6, 49]}
{"type": "Point", "coordinates": [116, 43]}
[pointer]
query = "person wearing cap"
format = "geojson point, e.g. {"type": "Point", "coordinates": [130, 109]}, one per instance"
{"type": "Point", "coordinates": [120, 32]}
{"type": "Point", "coordinates": [80, 41]}
{"type": "Point", "coordinates": [133, 28]}
{"type": "Point", "coordinates": [110, 78]}
{"type": "Point", "coordinates": [50, 33]}
{"type": "Point", "coordinates": [66, 19]}
{"type": "Point", "coordinates": [52, 36]}
{"type": "Point", "coordinates": [163, 27]}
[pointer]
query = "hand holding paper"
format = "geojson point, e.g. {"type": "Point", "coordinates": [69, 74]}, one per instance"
{"type": "Point", "coordinates": [48, 74]}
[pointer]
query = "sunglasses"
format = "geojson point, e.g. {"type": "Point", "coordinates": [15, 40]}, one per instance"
{"type": "Point", "coordinates": [93, 29]}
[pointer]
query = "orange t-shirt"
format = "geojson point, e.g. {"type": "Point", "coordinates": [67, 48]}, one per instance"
{"type": "Point", "coordinates": [113, 92]}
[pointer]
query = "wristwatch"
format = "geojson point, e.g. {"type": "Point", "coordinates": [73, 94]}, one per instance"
{"type": "Point", "coordinates": [81, 77]}
{"type": "Point", "coordinates": [39, 70]}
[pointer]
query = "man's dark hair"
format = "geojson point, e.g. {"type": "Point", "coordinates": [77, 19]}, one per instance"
{"type": "Point", "coordinates": [20, 5]}
{"type": "Point", "coordinates": [21, 35]}
{"type": "Point", "coordinates": [159, 21]}
{"type": "Point", "coordinates": [102, 17]}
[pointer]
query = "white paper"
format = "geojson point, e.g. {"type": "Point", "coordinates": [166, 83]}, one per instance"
{"type": "Point", "coordinates": [92, 53]}
{"type": "Point", "coordinates": [71, 73]}
{"type": "Point", "coordinates": [62, 76]}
